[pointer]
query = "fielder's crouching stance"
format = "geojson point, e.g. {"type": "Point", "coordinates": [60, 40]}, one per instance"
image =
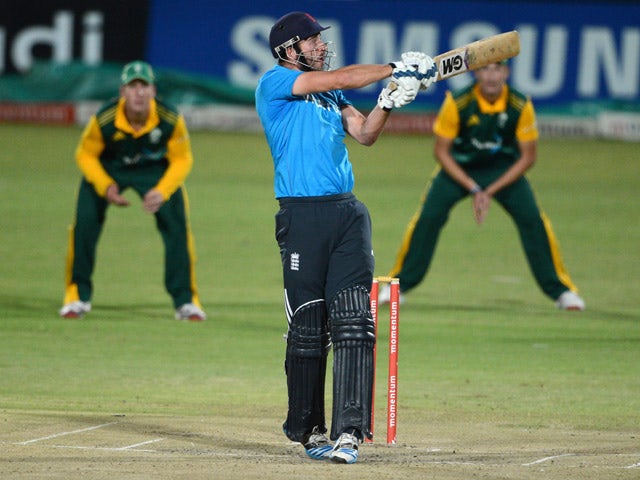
{"type": "Point", "coordinates": [323, 231]}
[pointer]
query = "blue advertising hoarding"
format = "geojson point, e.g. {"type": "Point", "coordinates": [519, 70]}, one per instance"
{"type": "Point", "coordinates": [572, 53]}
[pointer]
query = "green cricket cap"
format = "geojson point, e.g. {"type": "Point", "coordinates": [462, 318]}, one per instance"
{"type": "Point", "coordinates": [137, 70]}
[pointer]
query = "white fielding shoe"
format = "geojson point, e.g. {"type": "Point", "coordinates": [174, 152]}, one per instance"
{"type": "Point", "coordinates": [570, 301]}
{"type": "Point", "coordinates": [384, 295]}
{"type": "Point", "coordinates": [75, 309]}
{"type": "Point", "coordinates": [191, 312]}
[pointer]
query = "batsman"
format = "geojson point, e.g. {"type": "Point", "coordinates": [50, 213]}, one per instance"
{"type": "Point", "coordinates": [323, 231]}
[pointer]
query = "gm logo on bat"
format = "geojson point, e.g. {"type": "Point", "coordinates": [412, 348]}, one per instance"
{"type": "Point", "coordinates": [452, 65]}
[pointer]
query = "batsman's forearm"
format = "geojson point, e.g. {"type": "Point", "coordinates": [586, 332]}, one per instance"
{"type": "Point", "coordinates": [358, 76]}
{"type": "Point", "coordinates": [372, 126]}
{"type": "Point", "coordinates": [344, 78]}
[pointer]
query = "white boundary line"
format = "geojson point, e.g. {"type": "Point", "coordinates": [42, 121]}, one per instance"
{"type": "Point", "coordinates": [62, 434]}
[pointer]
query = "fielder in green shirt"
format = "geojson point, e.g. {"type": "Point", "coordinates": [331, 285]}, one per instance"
{"type": "Point", "coordinates": [139, 142]}
{"type": "Point", "coordinates": [486, 140]}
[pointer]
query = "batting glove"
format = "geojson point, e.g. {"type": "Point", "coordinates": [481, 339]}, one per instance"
{"type": "Point", "coordinates": [385, 102]}
{"type": "Point", "coordinates": [395, 96]}
{"type": "Point", "coordinates": [406, 76]}
{"type": "Point", "coordinates": [424, 64]}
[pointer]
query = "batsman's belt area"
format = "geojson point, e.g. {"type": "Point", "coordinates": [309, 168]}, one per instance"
{"type": "Point", "coordinates": [68, 446]}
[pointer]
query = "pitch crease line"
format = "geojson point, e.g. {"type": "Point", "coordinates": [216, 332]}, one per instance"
{"type": "Point", "coordinates": [107, 449]}
{"type": "Point", "coordinates": [140, 444]}
{"type": "Point", "coordinates": [546, 459]}
{"type": "Point", "coordinates": [62, 434]}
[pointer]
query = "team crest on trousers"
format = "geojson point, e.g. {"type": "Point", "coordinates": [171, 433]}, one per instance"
{"type": "Point", "coordinates": [294, 261]}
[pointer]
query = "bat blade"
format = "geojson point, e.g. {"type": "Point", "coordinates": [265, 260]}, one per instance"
{"type": "Point", "coordinates": [477, 54]}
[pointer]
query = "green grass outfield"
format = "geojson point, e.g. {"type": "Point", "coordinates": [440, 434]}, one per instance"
{"type": "Point", "coordinates": [479, 343]}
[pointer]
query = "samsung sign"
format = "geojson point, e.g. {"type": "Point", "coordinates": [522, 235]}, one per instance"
{"type": "Point", "coordinates": [571, 53]}
{"type": "Point", "coordinates": [599, 62]}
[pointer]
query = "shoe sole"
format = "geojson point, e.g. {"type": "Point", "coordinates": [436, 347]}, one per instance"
{"type": "Point", "coordinates": [344, 457]}
{"type": "Point", "coordinates": [319, 453]}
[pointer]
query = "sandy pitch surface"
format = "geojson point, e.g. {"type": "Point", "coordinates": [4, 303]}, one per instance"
{"type": "Point", "coordinates": [116, 447]}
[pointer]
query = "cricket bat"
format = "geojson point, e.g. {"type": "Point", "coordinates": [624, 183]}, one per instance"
{"type": "Point", "coordinates": [477, 54]}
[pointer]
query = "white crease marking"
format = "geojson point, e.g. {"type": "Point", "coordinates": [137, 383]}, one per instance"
{"type": "Point", "coordinates": [546, 459]}
{"type": "Point", "coordinates": [62, 434]}
{"type": "Point", "coordinates": [140, 444]}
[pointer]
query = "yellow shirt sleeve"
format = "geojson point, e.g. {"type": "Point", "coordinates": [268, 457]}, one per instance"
{"type": "Point", "coordinates": [180, 159]}
{"type": "Point", "coordinates": [88, 158]}
{"type": "Point", "coordinates": [527, 128]}
{"type": "Point", "coordinates": [447, 122]}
